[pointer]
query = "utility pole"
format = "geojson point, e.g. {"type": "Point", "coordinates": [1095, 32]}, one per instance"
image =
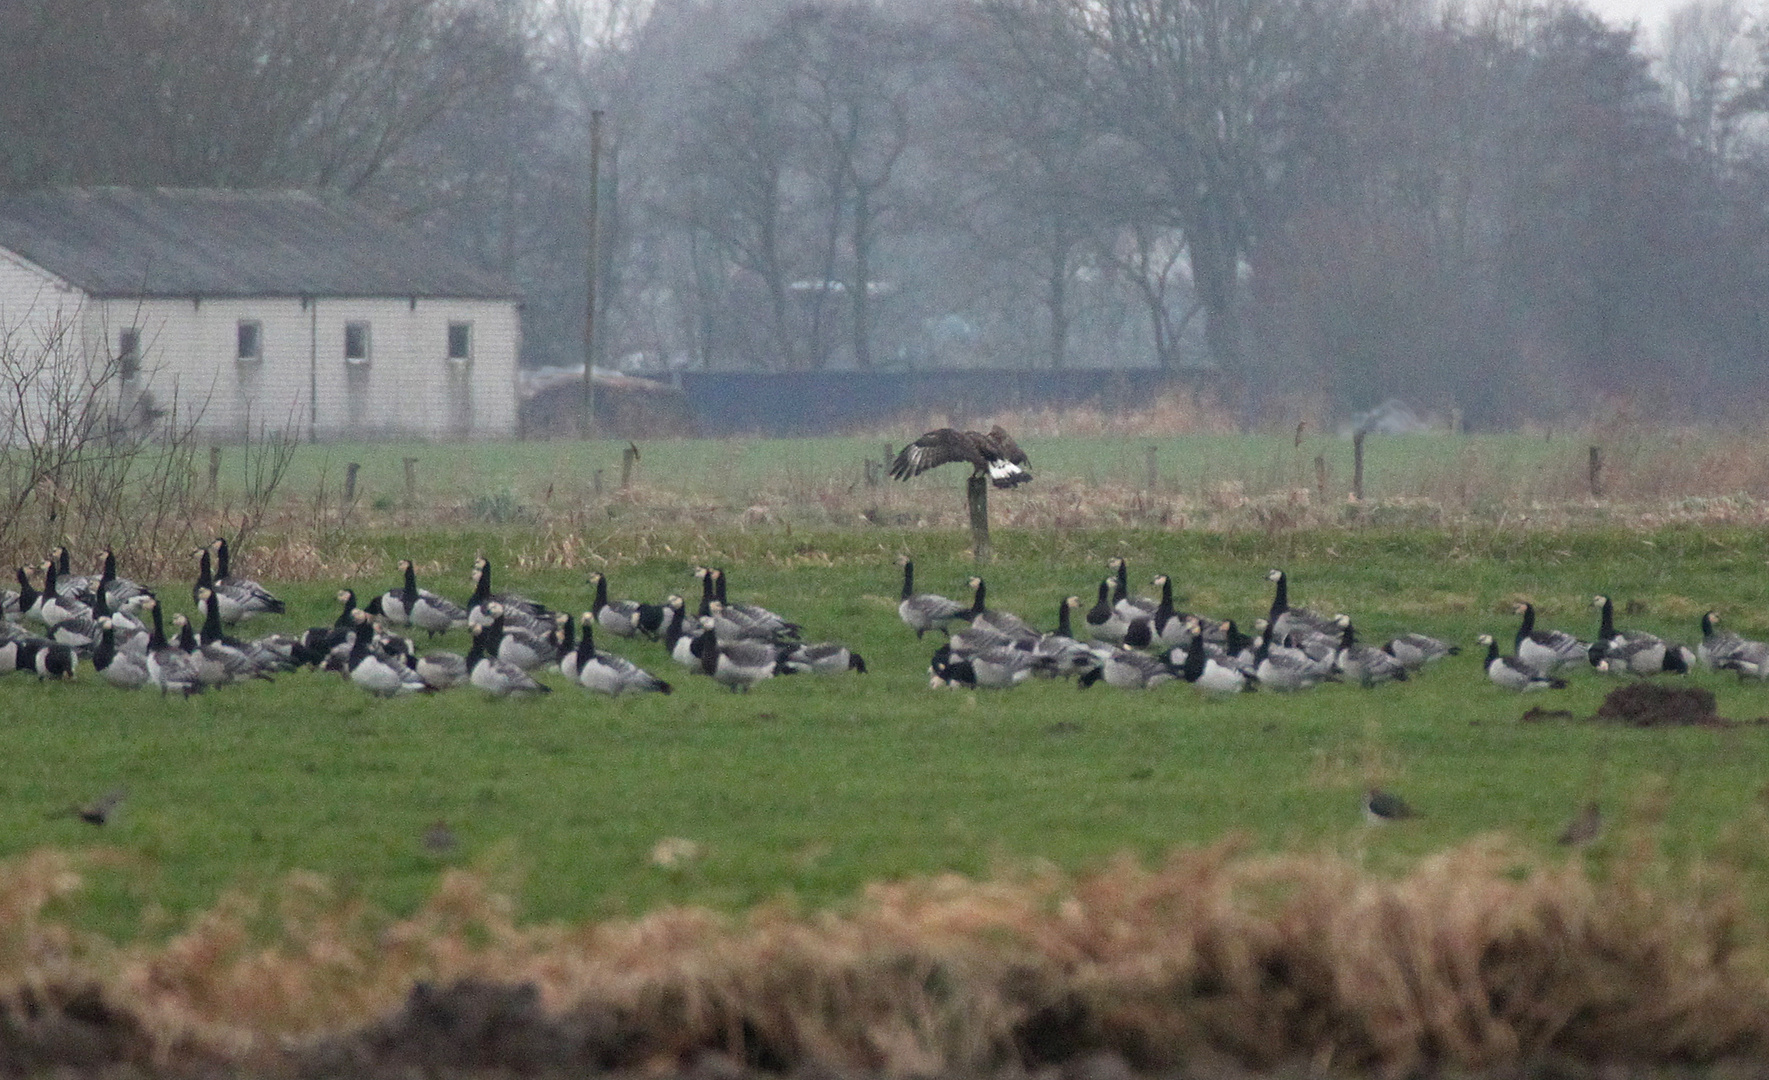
{"type": "Point", "coordinates": [587, 421]}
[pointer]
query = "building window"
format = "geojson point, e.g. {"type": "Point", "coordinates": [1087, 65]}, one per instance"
{"type": "Point", "coordinates": [460, 342]}
{"type": "Point", "coordinates": [251, 341]}
{"type": "Point", "coordinates": [128, 353]}
{"type": "Point", "coordinates": [356, 343]}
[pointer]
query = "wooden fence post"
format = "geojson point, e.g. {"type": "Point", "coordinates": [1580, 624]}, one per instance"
{"type": "Point", "coordinates": [214, 470]}
{"type": "Point", "coordinates": [1595, 472]}
{"type": "Point", "coordinates": [977, 497]}
{"type": "Point", "coordinates": [1320, 477]}
{"type": "Point", "coordinates": [350, 471]}
{"type": "Point", "coordinates": [596, 483]}
{"type": "Point", "coordinates": [1357, 466]}
{"type": "Point", "coordinates": [411, 481]}
{"type": "Point", "coordinates": [627, 459]}
{"type": "Point", "coordinates": [1153, 473]}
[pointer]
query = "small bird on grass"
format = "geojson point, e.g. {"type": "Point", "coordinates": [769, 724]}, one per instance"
{"type": "Point", "coordinates": [439, 839]}
{"type": "Point", "coordinates": [99, 810]}
{"type": "Point", "coordinates": [1381, 806]}
{"type": "Point", "coordinates": [1585, 828]}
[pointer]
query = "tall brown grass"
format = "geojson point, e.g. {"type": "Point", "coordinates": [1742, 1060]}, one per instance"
{"type": "Point", "coordinates": [1480, 958]}
{"type": "Point", "coordinates": [1172, 412]}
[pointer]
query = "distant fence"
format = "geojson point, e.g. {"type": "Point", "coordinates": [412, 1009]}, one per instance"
{"type": "Point", "coordinates": [827, 402]}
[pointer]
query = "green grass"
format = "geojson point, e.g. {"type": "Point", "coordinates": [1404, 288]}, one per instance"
{"type": "Point", "coordinates": [809, 787]}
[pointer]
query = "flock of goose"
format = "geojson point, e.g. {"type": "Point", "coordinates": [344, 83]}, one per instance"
{"type": "Point", "coordinates": [121, 629]}
{"type": "Point", "coordinates": [1123, 640]}
{"type": "Point", "coordinates": [1140, 642]}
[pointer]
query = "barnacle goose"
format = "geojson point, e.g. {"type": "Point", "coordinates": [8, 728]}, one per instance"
{"type": "Point", "coordinates": [247, 596]}
{"type": "Point", "coordinates": [1208, 674]}
{"type": "Point", "coordinates": [1004, 622]}
{"type": "Point", "coordinates": [1608, 637]}
{"type": "Point", "coordinates": [266, 655]}
{"type": "Point", "coordinates": [69, 584]}
{"type": "Point", "coordinates": [1128, 606]}
{"type": "Point", "coordinates": [56, 606]}
{"type": "Point", "coordinates": [117, 590]}
{"type": "Point", "coordinates": [518, 645]}
{"type": "Point", "coordinates": [997, 668]}
{"type": "Point", "coordinates": [1106, 622]}
{"type": "Point", "coordinates": [1131, 670]}
{"type": "Point", "coordinates": [409, 605]}
{"type": "Point", "coordinates": [607, 673]}
{"type": "Point", "coordinates": [1413, 651]}
{"type": "Point", "coordinates": [1058, 652]}
{"type": "Point", "coordinates": [494, 676]}
{"type": "Point", "coordinates": [441, 670]}
{"type": "Point", "coordinates": [119, 667]}
{"type": "Point", "coordinates": [1287, 670]}
{"type": "Point", "coordinates": [764, 622]}
{"type": "Point", "coordinates": [1514, 674]}
{"type": "Point", "coordinates": [30, 599]}
{"type": "Point", "coordinates": [1170, 627]}
{"type": "Point", "coordinates": [1369, 666]}
{"type": "Point", "coordinates": [1286, 620]}
{"type": "Point", "coordinates": [1718, 648]}
{"type": "Point", "coordinates": [922, 612]}
{"type": "Point", "coordinates": [624, 618]}
{"type": "Point", "coordinates": [680, 633]}
{"type": "Point", "coordinates": [1546, 650]}
{"type": "Point", "coordinates": [736, 664]}
{"type": "Point", "coordinates": [519, 611]}
{"type": "Point", "coordinates": [822, 658]}
{"type": "Point", "coordinates": [169, 667]}
{"type": "Point", "coordinates": [374, 672]}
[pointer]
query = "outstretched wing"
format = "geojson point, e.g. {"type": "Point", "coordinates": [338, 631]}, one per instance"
{"type": "Point", "coordinates": [934, 449]}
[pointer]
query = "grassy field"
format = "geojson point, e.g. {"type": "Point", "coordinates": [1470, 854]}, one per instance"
{"type": "Point", "coordinates": [1474, 472]}
{"type": "Point", "coordinates": [808, 788]}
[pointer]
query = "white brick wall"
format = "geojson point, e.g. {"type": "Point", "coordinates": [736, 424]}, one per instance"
{"type": "Point", "coordinates": [408, 389]}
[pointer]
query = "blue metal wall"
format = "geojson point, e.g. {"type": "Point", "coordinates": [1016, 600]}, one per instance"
{"type": "Point", "coordinates": [829, 402]}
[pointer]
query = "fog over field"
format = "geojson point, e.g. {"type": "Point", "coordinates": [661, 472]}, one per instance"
{"type": "Point", "coordinates": [1506, 211]}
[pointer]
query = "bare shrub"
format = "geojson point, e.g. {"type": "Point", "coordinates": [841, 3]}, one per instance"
{"type": "Point", "coordinates": [1172, 412]}
{"type": "Point", "coordinates": [87, 457]}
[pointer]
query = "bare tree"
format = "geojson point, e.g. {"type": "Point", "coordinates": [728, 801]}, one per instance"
{"type": "Point", "coordinates": [1199, 88]}
{"type": "Point", "coordinates": [1707, 61]}
{"type": "Point", "coordinates": [317, 93]}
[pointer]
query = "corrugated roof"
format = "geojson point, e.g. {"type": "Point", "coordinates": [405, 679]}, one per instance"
{"type": "Point", "coordinates": [127, 242]}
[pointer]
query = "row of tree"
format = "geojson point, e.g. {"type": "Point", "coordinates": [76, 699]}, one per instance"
{"type": "Point", "coordinates": [1506, 209]}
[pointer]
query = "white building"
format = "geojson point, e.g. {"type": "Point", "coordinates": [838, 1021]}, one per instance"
{"type": "Point", "coordinates": [257, 310]}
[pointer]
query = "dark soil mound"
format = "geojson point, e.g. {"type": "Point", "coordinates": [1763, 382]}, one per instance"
{"type": "Point", "coordinates": [478, 1026]}
{"type": "Point", "coordinates": [1644, 704]}
{"type": "Point", "coordinates": [55, 1028]}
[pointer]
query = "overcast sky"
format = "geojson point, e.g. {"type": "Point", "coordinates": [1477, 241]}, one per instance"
{"type": "Point", "coordinates": [1650, 14]}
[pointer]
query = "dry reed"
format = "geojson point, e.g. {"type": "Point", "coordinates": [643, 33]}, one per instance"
{"type": "Point", "coordinates": [1651, 478]}
{"type": "Point", "coordinates": [1480, 958]}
